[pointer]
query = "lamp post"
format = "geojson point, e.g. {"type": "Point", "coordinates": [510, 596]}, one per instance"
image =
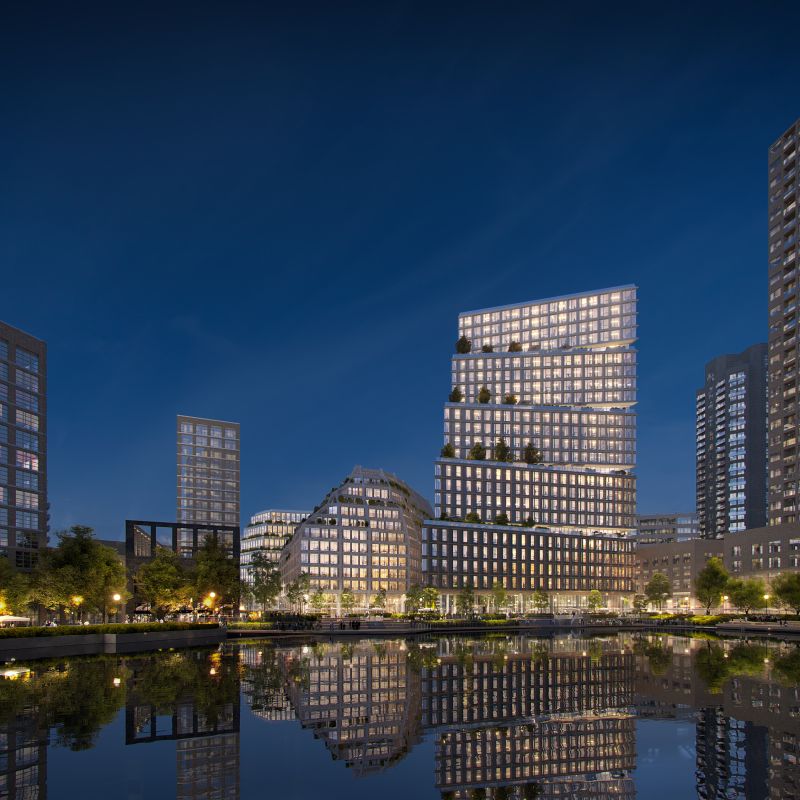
{"type": "Point", "coordinates": [116, 597]}
{"type": "Point", "coordinates": [766, 600]}
{"type": "Point", "coordinates": [76, 601]}
{"type": "Point", "coordinates": [209, 601]}
{"type": "Point", "coordinates": [724, 603]}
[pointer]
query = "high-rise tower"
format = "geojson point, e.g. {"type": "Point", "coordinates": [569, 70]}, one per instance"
{"type": "Point", "coordinates": [535, 485]}
{"type": "Point", "coordinates": [731, 443]}
{"type": "Point", "coordinates": [23, 447]}
{"type": "Point", "coordinates": [783, 405]}
{"type": "Point", "coordinates": [208, 471]}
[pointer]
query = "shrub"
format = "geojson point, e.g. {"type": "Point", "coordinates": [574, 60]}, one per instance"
{"type": "Point", "coordinates": [510, 400]}
{"type": "Point", "coordinates": [484, 395]}
{"type": "Point", "coordinates": [515, 347]}
{"type": "Point", "coordinates": [501, 519]}
{"type": "Point", "coordinates": [487, 348]}
{"type": "Point", "coordinates": [85, 630]}
{"type": "Point", "coordinates": [472, 516]}
{"type": "Point", "coordinates": [448, 451]}
{"type": "Point", "coordinates": [463, 345]}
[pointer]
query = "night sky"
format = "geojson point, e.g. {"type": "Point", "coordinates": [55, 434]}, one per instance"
{"type": "Point", "coordinates": [273, 214]}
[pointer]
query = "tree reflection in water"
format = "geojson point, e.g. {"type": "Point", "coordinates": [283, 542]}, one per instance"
{"type": "Point", "coordinates": [510, 718]}
{"type": "Point", "coordinates": [75, 698]}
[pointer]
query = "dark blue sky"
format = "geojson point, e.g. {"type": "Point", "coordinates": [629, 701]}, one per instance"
{"type": "Point", "coordinates": [274, 213]}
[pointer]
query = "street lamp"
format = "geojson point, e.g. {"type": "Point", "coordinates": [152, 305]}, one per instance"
{"type": "Point", "coordinates": [76, 601]}
{"type": "Point", "coordinates": [724, 603]}
{"type": "Point", "coordinates": [116, 597]}
{"type": "Point", "coordinates": [766, 600]}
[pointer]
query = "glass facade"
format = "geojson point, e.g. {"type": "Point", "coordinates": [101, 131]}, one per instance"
{"type": "Point", "coordinates": [23, 447]}
{"type": "Point", "coordinates": [267, 533]}
{"type": "Point", "coordinates": [731, 442]}
{"type": "Point", "coordinates": [535, 485]}
{"type": "Point", "coordinates": [208, 471]}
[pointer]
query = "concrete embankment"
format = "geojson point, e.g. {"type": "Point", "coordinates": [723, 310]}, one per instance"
{"type": "Point", "coordinates": [533, 627]}
{"type": "Point", "coordinates": [97, 643]}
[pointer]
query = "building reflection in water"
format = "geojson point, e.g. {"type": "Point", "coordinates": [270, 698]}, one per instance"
{"type": "Point", "coordinates": [745, 701]}
{"type": "Point", "coordinates": [23, 756]}
{"type": "Point", "coordinates": [192, 698]}
{"type": "Point", "coordinates": [509, 717]}
{"type": "Point", "coordinates": [362, 699]}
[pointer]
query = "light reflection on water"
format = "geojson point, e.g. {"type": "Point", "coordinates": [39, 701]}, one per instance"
{"type": "Point", "coordinates": [495, 717]}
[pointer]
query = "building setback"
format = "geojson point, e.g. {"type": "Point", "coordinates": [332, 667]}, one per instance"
{"type": "Point", "coordinates": [364, 537]}
{"type": "Point", "coordinates": [267, 534]}
{"type": "Point", "coordinates": [535, 485]}
{"type": "Point", "coordinates": [784, 469]}
{"type": "Point", "coordinates": [24, 508]}
{"type": "Point", "coordinates": [208, 471]}
{"type": "Point", "coordinates": [731, 454]}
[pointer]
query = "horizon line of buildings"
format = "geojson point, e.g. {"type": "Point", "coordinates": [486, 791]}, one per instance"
{"type": "Point", "coordinates": [535, 487]}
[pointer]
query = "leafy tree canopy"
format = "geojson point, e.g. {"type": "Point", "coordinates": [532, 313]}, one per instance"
{"type": "Point", "coordinates": [710, 584]}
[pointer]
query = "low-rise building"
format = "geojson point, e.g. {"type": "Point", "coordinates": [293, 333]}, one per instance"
{"type": "Point", "coordinates": [680, 562]}
{"type": "Point", "coordinates": [143, 539]}
{"type": "Point", "coordinates": [763, 552]}
{"type": "Point", "coordinates": [363, 538]}
{"type": "Point", "coordinates": [267, 534]}
{"type": "Point", "coordinates": [671, 527]}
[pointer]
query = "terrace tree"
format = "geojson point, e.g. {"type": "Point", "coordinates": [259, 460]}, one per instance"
{"type": "Point", "coordinates": [456, 396]}
{"type": "Point", "coordinates": [502, 452]}
{"type": "Point", "coordinates": [531, 455]}
{"type": "Point", "coordinates": [484, 395]}
{"type": "Point", "coordinates": [463, 345]}
{"type": "Point", "coordinates": [477, 452]}
{"type": "Point", "coordinates": [448, 451]}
